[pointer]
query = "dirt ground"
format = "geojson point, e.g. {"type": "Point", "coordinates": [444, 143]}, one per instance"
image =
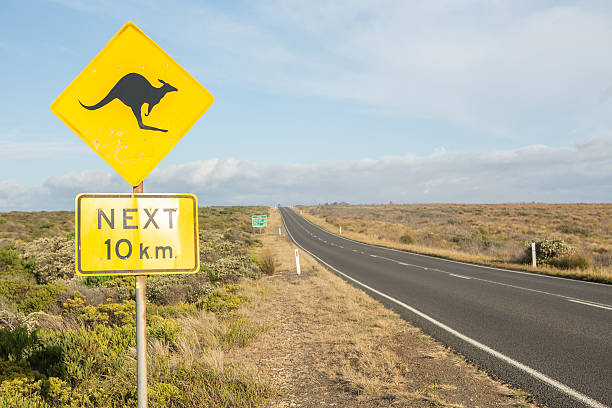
{"type": "Point", "coordinates": [330, 344]}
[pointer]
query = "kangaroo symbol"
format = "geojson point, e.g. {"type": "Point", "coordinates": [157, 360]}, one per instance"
{"type": "Point", "coordinates": [134, 90]}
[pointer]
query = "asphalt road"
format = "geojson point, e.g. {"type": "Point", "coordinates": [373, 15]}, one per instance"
{"type": "Point", "coordinates": [551, 337]}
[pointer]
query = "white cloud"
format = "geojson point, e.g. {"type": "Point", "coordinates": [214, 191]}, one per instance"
{"type": "Point", "coordinates": [34, 149]}
{"type": "Point", "coordinates": [577, 173]}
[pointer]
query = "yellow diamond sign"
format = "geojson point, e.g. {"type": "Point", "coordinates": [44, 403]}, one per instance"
{"type": "Point", "coordinates": [132, 104]}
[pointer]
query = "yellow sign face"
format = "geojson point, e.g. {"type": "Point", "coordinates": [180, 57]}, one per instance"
{"type": "Point", "coordinates": [136, 234]}
{"type": "Point", "coordinates": [132, 104]}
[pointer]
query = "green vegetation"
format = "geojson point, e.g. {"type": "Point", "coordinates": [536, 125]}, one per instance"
{"type": "Point", "coordinates": [557, 253]}
{"type": "Point", "coordinates": [68, 341]}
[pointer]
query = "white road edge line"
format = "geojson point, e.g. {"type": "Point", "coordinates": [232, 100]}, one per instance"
{"type": "Point", "coordinates": [602, 306]}
{"type": "Point", "coordinates": [449, 260]}
{"type": "Point", "coordinates": [530, 371]}
{"type": "Point", "coordinates": [459, 276]}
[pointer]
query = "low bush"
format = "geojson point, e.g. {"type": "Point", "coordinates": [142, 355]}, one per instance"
{"type": "Point", "coordinates": [111, 314]}
{"type": "Point", "coordinates": [166, 330]}
{"type": "Point", "coordinates": [22, 393]}
{"type": "Point", "coordinates": [15, 344]}
{"type": "Point", "coordinates": [29, 297]}
{"type": "Point", "coordinates": [406, 239]}
{"type": "Point", "coordinates": [557, 253]}
{"type": "Point", "coordinates": [168, 290]}
{"type": "Point", "coordinates": [230, 269]}
{"type": "Point", "coordinates": [53, 258]}
{"type": "Point", "coordinates": [76, 356]}
{"type": "Point", "coordinates": [267, 263]}
{"type": "Point", "coordinates": [221, 301]}
{"type": "Point", "coordinates": [11, 262]}
{"type": "Point", "coordinates": [10, 370]}
{"type": "Point", "coordinates": [548, 249]}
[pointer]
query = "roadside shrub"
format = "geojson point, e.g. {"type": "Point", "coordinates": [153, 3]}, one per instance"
{"type": "Point", "coordinates": [22, 393]}
{"type": "Point", "coordinates": [220, 302]}
{"type": "Point", "coordinates": [267, 263]}
{"type": "Point", "coordinates": [220, 246]}
{"type": "Point", "coordinates": [406, 239]}
{"type": "Point", "coordinates": [557, 253]}
{"type": "Point", "coordinates": [10, 370]}
{"type": "Point", "coordinates": [53, 258]}
{"type": "Point", "coordinates": [164, 395]}
{"type": "Point", "coordinates": [29, 297]}
{"type": "Point", "coordinates": [11, 262]}
{"type": "Point", "coordinates": [76, 356]}
{"type": "Point", "coordinates": [230, 269]}
{"type": "Point", "coordinates": [168, 290]}
{"type": "Point", "coordinates": [166, 330]}
{"type": "Point", "coordinates": [548, 249]}
{"type": "Point", "coordinates": [15, 344]}
{"type": "Point", "coordinates": [112, 314]}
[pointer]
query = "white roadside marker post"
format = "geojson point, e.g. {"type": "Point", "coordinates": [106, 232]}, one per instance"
{"type": "Point", "coordinates": [279, 231]}
{"type": "Point", "coordinates": [341, 230]}
{"type": "Point", "coordinates": [297, 261]}
{"type": "Point", "coordinates": [533, 255]}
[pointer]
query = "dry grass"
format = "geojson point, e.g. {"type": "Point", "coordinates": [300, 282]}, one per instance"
{"type": "Point", "coordinates": [495, 235]}
{"type": "Point", "coordinates": [329, 343]}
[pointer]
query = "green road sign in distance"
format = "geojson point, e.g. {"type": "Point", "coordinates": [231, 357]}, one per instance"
{"type": "Point", "coordinates": [259, 220]}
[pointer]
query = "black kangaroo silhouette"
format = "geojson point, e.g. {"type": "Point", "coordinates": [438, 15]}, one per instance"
{"type": "Point", "coordinates": [134, 90]}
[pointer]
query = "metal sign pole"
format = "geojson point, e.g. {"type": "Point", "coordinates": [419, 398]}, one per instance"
{"type": "Point", "coordinates": [141, 333]}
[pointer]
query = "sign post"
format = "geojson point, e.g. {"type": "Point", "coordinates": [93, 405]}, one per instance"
{"type": "Point", "coordinates": [141, 331]}
{"type": "Point", "coordinates": [130, 82]}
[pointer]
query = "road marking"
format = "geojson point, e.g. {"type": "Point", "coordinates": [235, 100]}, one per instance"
{"type": "Point", "coordinates": [528, 370]}
{"type": "Point", "coordinates": [459, 276]}
{"type": "Point", "coordinates": [341, 246]}
{"type": "Point", "coordinates": [575, 300]}
{"type": "Point", "coordinates": [600, 305]}
{"type": "Point", "coordinates": [373, 256]}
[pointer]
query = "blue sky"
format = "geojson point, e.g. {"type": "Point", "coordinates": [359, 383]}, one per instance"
{"type": "Point", "coordinates": [358, 101]}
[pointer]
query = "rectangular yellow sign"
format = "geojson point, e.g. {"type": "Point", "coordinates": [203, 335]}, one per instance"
{"type": "Point", "coordinates": [136, 234]}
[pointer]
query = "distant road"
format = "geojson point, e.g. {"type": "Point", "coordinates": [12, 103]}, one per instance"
{"type": "Point", "coordinates": [551, 337]}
